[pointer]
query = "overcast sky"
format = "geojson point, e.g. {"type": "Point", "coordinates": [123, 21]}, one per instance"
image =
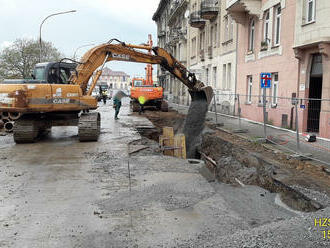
{"type": "Point", "coordinates": [96, 21]}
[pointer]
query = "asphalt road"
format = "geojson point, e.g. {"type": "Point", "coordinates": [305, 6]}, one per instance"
{"type": "Point", "coordinates": [63, 193]}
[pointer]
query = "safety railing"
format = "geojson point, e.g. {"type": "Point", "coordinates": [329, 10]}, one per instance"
{"type": "Point", "coordinates": [299, 125]}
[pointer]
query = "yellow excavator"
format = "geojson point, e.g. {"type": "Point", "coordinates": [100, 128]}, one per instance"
{"type": "Point", "coordinates": [60, 93]}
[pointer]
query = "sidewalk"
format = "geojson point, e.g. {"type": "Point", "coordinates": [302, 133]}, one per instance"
{"type": "Point", "coordinates": [282, 139]}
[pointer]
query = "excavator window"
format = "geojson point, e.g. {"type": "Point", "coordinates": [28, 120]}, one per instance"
{"type": "Point", "coordinates": [53, 76]}
{"type": "Point", "coordinates": [64, 76]}
{"type": "Point", "coordinates": [39, 73]}
{"type": "Point", "coordinates": [59, 75]}
{"type": "Point", "coordinates": [137, 83]}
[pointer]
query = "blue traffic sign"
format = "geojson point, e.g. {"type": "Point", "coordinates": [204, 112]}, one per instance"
{"type": "Point", "coordinates": [266, 80]}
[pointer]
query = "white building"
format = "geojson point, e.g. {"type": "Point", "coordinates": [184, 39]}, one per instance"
{"type": "Point", "coordinates": [114, 79]}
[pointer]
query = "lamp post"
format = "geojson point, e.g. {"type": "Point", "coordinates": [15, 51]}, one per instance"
{"type": "Point", "coordinates": [40, 41]}
{"type": "Point", "coordinates": [75, 52]}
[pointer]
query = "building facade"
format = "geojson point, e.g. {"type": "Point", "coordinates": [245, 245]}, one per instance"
{"type": "Point", "coordinates": [201, 35]}
{"type": "Point", "coordinates": [114, 79]}
{"type": "Point", "coordinates": [265, 46]}
{"type": "Point", "coordinates": [228, 44]}
{"type": "Point", "coordinates": [212, 42]}
{"type": "Point", "coordinates": [312, 49]}
{"type": "Point", "coordinates": [172, 28]}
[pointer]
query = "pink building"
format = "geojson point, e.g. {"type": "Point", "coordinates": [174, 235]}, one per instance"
{"type": "Point", "coordinates": [290, 40]}
{"type": "Point", "coordinates": [266, 38]}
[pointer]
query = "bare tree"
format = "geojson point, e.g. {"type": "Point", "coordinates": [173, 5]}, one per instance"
{"type": "Point", "coordinates": [18, 60]}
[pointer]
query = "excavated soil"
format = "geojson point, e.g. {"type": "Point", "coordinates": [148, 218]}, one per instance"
{"type": "Point", "coordinates": [302, 185]}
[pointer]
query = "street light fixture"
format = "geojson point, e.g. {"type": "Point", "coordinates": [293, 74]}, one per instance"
{"type": "Point", "coordinates": [40, 41]}
{"type": "Point", "coordinates": [75, 52]}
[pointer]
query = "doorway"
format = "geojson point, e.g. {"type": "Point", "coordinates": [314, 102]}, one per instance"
{"type": "Point", "coordinates": [315, 93]}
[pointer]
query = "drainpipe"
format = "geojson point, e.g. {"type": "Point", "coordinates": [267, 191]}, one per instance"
{"type": "Point", "coordinates": [298, 78]}
{"type": "Point", "coordinates": [236, 67]}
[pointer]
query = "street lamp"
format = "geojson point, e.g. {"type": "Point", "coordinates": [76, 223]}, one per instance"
{"type": "Point", "coordinates": [75, 52]}
{"type": "Point", "coordinates": [40, 43]}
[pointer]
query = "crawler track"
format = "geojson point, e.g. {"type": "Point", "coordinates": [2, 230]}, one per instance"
{"type": "Point", "coordinates": [89, 126]}
{"type": "Point", "coordinates": [26, 130]}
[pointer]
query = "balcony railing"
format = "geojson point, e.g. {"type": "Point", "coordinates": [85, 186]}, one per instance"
{"type": "Point", "coordinates": [209, 9]}
{"type": "Point", "coordinates": [178, 7]}
{"type": "Point", "coordinates": [196, 20]}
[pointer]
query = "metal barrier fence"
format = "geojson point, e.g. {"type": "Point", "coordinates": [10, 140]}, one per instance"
{"type": "Point", "coordinates": [298, 125]}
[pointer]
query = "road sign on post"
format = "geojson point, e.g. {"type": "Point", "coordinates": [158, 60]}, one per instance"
{"type": "Point", "coordinates": [266, 80]}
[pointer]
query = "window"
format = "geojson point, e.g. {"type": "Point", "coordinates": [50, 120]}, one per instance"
{"type": "Point", "coordinates": [215, 77]}
{"type": "Point", "coordinates": [224, 76]}
{"type": "Point", "coordinates": [275, 88]}
{"type": "Point", "coordinates": [229, 76]}
{"type": "Point", "coordinates": [180, 56]}
{"type": "Point", "coordinates": [249, 89]}
{"type": "Point", "coordinates": [251, 35]}
{"type": "Point", "coordinates": [266, 26]}
{"type": "Point", "coordinates": [231, 27]}
{"type": "Point", "coordinates": [215, 35]}
{"type": "Point", "coordinates": [203, 39]}
{"type": "Point", "coordinates": [193, 47]}
{"type": "Point", "coordinates": [226, 28]}
{"type": "Point", "coordinates": [207, 76]}
{"type": "Point", "coordinates": [310, 10]}
{"type": "Point", "coordinates": [277, 25]}
{"type": "Point", "coordinates": [39, 73]}
{"type": "Point", "coordinates": [211, 35]}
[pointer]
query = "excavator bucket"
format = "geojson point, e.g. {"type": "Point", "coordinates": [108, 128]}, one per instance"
{"type": "Point", "coordinates": [195, 119]}
{"type": "Point", "coordinates": [206, 94]}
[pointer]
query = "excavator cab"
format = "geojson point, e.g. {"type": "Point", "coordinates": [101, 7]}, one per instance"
{"type": "Point", "coordinates": [54, 72]}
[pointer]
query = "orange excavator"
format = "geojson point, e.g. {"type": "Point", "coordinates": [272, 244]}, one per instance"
{"type": "Point", "coordinates": [60, 93]}
{"type": "Point", "coordinates": [144, 92]}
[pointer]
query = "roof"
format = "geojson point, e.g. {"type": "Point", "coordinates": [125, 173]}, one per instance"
{"type": "Point", "coordinates": [108, 72]}
{"type": "Point", "coordinates": [160, 9]}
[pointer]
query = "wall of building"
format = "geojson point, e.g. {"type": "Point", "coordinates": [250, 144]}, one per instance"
{"type": "Point", "coordinates": [278, 59]}
{"type": "Point", "coordinates": [308, 32]}
{"type": "Point", "coordinates": [312, 36]}
{"type": "Point", "coordinates": [214, 58]}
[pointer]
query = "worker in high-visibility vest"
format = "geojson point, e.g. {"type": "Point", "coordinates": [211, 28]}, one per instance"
{"type": "Point", "coordinates": [142, 101]}
{"type": "Point", "coordinates": [104, 96]}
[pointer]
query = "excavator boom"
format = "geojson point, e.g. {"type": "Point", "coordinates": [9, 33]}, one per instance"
{"type": "Point", "coordinates": [101, 54]}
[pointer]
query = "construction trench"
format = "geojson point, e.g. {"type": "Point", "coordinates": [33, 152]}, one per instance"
{"type": "Point", "coordinates": [235, 163]}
